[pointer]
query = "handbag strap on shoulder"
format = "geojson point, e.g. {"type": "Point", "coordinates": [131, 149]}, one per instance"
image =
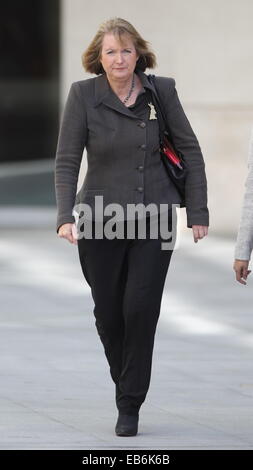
{"type": "Point", "coordinates": [159, 109]}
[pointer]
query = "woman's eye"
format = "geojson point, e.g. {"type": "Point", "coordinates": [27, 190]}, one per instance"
{"type": "Point", "coordinates": [126, 50]}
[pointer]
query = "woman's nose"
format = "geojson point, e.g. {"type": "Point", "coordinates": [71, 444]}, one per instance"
{"type": "Point", "coordinates": [119, 58]}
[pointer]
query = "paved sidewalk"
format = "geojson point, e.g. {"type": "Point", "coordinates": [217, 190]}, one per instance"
{"type": "Point", "coordinates": [56, 391]}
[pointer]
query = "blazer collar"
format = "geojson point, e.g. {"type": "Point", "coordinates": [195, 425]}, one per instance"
{"type": "Point", "coordinates": [105, 94]}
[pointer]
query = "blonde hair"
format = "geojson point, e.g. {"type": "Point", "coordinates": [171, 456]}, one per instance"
{"type": "Point", "coordinates": [119, 27]}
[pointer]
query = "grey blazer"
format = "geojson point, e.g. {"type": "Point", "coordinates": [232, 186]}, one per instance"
{"type": "Point", "coordinates": [121, 164]}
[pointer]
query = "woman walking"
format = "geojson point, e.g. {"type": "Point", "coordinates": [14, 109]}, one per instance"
{"type": "Point", "coordinates": [114, 117]}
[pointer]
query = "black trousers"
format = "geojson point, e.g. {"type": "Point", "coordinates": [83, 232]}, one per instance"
{"type": "Point", "coordinates": [127, 279]}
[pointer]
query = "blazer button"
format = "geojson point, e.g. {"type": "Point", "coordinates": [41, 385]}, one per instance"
{"type": "Point", "coordinates": [140, 168]}
{"type": "Point", "coordinates": [140, 189]}
{"type": "Point", "coordinates": [142, 124]}
{"type": "Point", "coordinates": [143, 146]}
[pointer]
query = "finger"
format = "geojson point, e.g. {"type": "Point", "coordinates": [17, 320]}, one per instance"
{"type": "Point", "coordinates": [74, 234]}
{"type": "Point", "coordinates": [244, 273]}
{"type": "Point", "coordinates": [74, 241]}
{"type": "Point", "coordinates": [239, 274]}
{"type": "Point", "coordinates": [239, 279]}
{"type": "Point", "coordinates": [195, 234]}
{"type": "Point", "coordinates": [63, 234]}
{"type": "Point", "coordinates": [201, 232]}
{"type": "Point", "coordinates": [67, 236]}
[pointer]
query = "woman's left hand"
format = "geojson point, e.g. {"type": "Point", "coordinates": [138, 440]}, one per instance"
{"type": "Point", "coordinates": [199, 231]}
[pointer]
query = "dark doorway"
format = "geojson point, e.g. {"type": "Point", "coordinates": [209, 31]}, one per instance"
{"type": "Point", "coordinates": [29, 79]}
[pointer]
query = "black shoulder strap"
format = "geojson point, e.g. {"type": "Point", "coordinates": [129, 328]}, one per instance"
{"type": "Point", "coordinates": [158, 107]}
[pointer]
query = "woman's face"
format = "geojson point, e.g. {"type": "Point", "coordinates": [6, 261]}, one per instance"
{"type": "Point", "coordinates": [118, 60]}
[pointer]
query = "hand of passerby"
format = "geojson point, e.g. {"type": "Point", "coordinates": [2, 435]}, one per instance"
{"type": "Point", "coordinates": [69, 232]}
{"type": "Point", "coordinates": [241, 270]}
{"type": "Point", "coordinates": [199, 231]}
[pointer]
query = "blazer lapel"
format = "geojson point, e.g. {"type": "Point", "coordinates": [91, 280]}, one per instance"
{"type": "Point", "coordinates": [104, 94]}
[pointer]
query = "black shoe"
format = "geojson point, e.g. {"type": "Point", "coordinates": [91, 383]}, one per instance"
{"type": "Point", "coordinates": [127, 425]}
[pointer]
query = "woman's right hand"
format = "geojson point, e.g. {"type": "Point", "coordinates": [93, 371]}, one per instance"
{"type": "Point", "coordinates": [241, 270]}
{"type": "Point", "coordinates": [69, 232]}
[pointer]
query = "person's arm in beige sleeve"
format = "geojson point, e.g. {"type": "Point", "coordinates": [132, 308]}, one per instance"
{"type": "Point", "coordinates": [244, 241]}
{"type": "Point", "coordinates": [70, 146]}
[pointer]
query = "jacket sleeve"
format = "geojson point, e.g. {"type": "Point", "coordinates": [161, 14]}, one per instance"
{"type": "Point", "coordinates": [69, 151]}
{"type": "Point", "coordinates": [244, 241]}
{"type": "Point", "coordinates": [186, 143]}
